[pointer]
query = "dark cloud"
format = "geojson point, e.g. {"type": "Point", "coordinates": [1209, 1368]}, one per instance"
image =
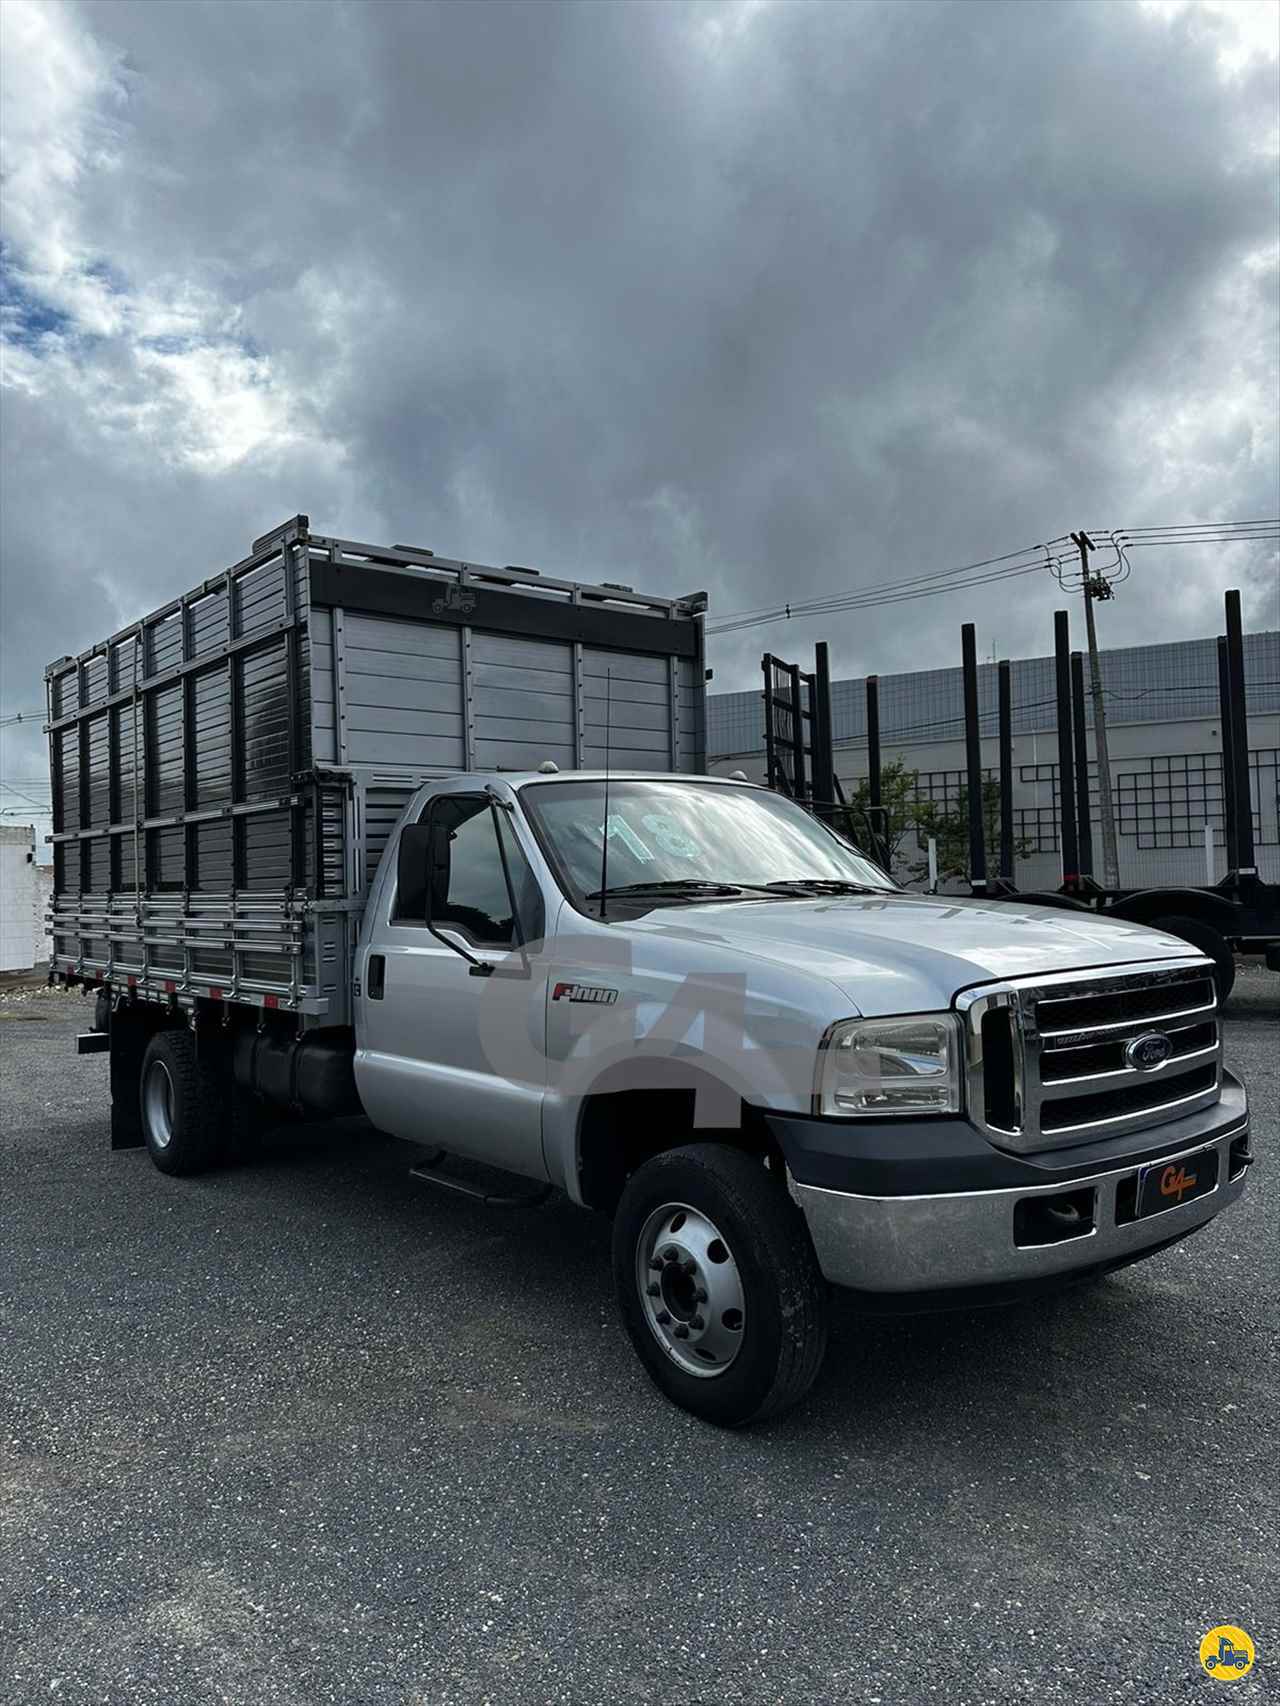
{"type": "Point", "coordinates": [772, 299]}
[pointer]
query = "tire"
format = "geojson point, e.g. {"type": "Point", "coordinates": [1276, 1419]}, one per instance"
{"type": "Point", "coordinates": [759, 1345]}
{"type": "Point", "coordinates": [1210, 942]}
{"type": "Point", "coordinates": [183, 1106]}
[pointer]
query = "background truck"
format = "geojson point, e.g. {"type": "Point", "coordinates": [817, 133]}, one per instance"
{"type": "Point", "coordinates": [360, 830]}
{"type": "Point", "coordinates": [1239, 913]}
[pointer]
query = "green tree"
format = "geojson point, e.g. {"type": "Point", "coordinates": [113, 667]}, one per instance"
{"type": "Point", "coordinates": [883, 832]}
{"type": "Point", "coordinates": [906, 820]}
{"type": "Point", "coordinates": [949, 826]}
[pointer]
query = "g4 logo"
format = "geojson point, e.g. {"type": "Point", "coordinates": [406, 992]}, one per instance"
{"type": "Point", "coordinates": [1174, 1181]}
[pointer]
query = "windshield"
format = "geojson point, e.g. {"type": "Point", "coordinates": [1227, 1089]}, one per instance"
{"type": "Point", "coordinates": [690, 835]}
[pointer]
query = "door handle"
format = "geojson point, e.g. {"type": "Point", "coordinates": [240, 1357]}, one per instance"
{"type": "Point", "coordinates": [376, 976]}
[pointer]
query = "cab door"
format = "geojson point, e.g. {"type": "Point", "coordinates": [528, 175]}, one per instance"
{"type": "Point", "coordinates": [452, 1039]}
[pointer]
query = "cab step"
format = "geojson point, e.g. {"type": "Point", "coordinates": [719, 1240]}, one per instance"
{"type": "Point", "coordinates": [428, 1173]}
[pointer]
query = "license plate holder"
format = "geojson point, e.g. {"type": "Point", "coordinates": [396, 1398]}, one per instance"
{"type": "Point", "coordinates": [1163, 1185]}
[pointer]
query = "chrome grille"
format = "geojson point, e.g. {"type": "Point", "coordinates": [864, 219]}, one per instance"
{"type": "Point", "coordinates": [1047, 1060]}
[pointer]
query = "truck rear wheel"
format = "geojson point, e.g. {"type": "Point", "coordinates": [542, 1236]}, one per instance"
{"type": "Point", "coordinates": [1210, 942]}
{"type": "Point", "coordinates": [718, 1285]}
{"type": "Point", "coordinates": [183, 1105]}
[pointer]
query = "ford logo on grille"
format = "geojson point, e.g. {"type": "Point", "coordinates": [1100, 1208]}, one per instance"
{"type": "Point", "coordinates": [1148, 1051]}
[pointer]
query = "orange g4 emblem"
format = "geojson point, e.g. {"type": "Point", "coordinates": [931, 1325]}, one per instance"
{"type": "Point", "coordinates": [1174, 1181]}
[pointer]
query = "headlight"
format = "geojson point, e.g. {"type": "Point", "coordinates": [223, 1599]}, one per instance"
{"type": "Point", "coordinates": [906, 1065]}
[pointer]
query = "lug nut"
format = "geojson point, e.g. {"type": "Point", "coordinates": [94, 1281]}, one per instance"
{"type": "Point", "coordinates": [689, 1265]}
{"type": "Point", "coordinates": [656, 1264]}
{"type": "Point", "coordinates": [701, 1294]}
{"type": "Point", "coordinates": [682, 1332]}
{"type": "Point", "coordinates": [664, 1320]}
{"type": "Point", "coordinates": [697, 1323]}
{"type": "Point", "coordinates": [653, 1290]}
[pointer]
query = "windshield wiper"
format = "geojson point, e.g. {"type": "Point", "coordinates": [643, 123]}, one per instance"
{"type": "Point", "coordinates": [823, 885]}
{"type": "Point", "coordinates": [789, 888]}
{"type": "Point", "coordinates": [681, 886]}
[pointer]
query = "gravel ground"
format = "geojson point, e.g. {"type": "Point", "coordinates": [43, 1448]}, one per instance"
{"type": "Point", "coordinates": [306, 1432]}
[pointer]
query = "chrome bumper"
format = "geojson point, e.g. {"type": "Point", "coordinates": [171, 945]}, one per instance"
{"type": "Point", "coordinates": [966, 1238]}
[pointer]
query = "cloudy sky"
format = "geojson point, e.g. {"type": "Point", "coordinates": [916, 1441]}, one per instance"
{"type": "Point", "coordinates": [762, 296]}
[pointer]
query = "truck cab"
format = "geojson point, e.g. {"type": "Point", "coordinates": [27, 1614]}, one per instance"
{"type": "Point", "coordinates": [688, 1003]}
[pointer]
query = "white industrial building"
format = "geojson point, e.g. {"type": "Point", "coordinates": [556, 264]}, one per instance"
{"type": "Point", "coordinates": [1164, 733]}
{"type": "Point", "coordinates": [25, 888]}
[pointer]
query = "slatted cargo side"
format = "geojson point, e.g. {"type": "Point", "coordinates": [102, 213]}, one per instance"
{"type": "Point", "coordinates": [186, 841]}
{"type": "Point", "coordinates": [227, 772]}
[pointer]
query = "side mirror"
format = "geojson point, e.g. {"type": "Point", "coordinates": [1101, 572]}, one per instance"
{"type": "Point", "coordinates": [411, 871]}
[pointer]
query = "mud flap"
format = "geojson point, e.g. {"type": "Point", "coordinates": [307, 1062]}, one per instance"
{"type": "Point", "coordinates": [129, 1034]}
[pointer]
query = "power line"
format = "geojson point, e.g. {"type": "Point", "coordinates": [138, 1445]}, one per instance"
{"type": "Point", "coordinates": [1191, 527]}
{"type": "Point", "coordinates": [985, 563]}
{"type": "Point", "coordinates": [931, 587]}
{"type": "Point", "coordinates": [38, 804]}
{"type": "Point", "coordinates": [1197, 539]}
{"type": "Point", "coordinates": [1013, 563]}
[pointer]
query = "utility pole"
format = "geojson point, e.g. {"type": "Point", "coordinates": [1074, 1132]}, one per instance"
{"type": "Point", "coordinates": [1097, 586]}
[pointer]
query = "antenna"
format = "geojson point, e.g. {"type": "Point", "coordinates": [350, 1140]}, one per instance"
{"type": "Point", "coordinates": [604, 839]}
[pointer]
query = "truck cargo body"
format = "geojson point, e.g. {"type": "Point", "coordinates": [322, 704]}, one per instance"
{"type": "Point", "coordinates": [226, 772]}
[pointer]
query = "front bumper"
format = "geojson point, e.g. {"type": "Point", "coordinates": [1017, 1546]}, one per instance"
{"type": "Point", "coordinates": [908, 1243]}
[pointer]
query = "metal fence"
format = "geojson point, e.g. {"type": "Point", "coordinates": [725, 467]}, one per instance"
{"type": "Point", "coordinates": [1165, 804]}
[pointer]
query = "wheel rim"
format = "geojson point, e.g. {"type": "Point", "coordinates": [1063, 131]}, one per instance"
{"type": "Point", "coordinates": [690, 1289]}
{"type": "Point", "coordinates": [157, 1104]}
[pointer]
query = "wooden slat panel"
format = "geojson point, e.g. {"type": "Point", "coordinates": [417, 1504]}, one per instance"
{"type": "Point", "coordinates": [211, 702]}
{"type": "Point", "coordinates": [266, 723]}
{"type": "Point", "coordinates": [164, 644]}
{"type": "Point", "coordinates": [68, 777]}
{"type": "Point", "coordinates": [165, 752]}
{"type": "Point", "coordinates": [99, 777]}
{"type": "Point", "coordinates": [95, 679]}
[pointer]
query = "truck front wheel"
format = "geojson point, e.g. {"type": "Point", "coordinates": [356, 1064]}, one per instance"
{"type": "Point", "coordinates": [183, 1105]}
{"type": "Point", "coordinates": [718, 1284]}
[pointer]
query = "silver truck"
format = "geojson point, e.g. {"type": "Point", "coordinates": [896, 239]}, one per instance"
{"type": "Point", "coordinates": [374, 832]}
